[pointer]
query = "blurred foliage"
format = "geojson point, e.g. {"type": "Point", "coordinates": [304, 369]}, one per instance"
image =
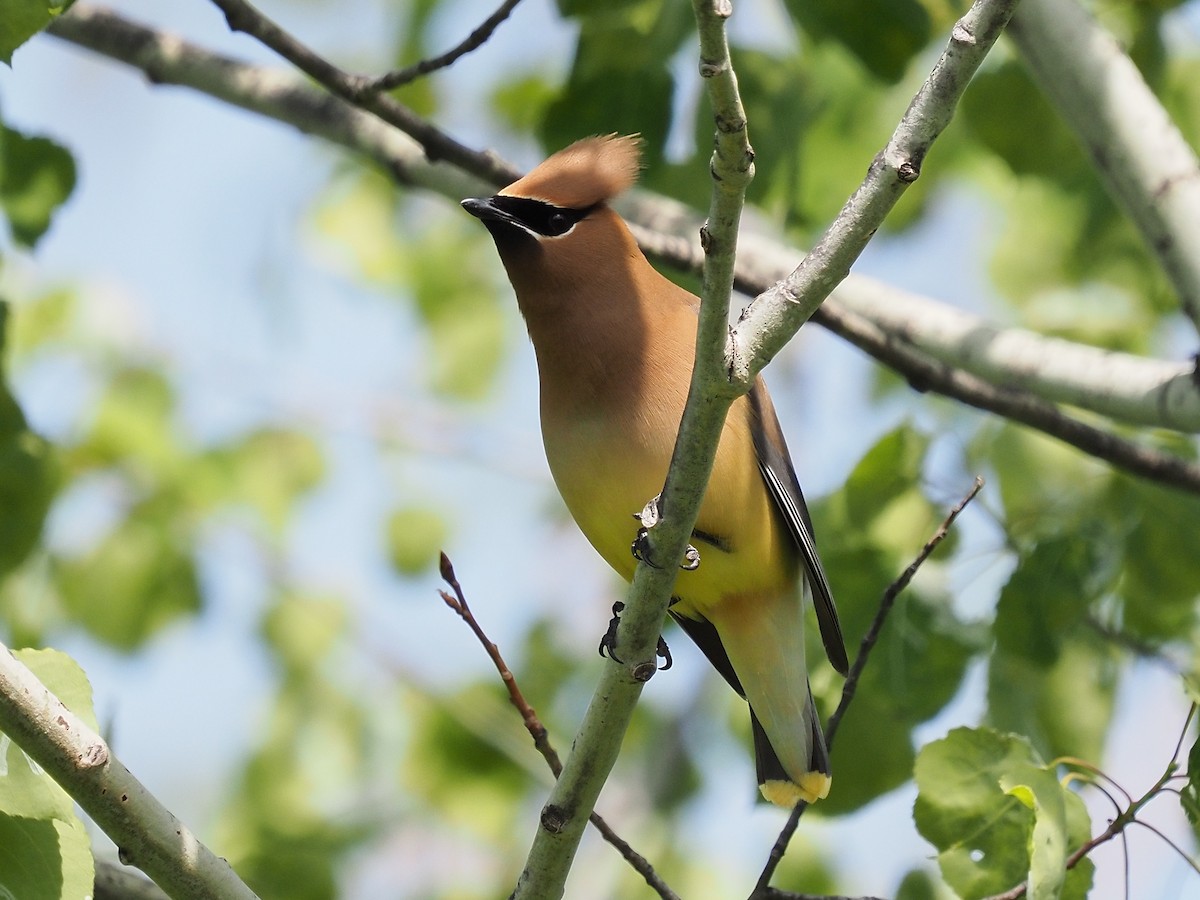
{"type": "Point", "coordinates": [36, 177]}
{"type": "Point", "coordinates": [27, 473]}
{"type": "Point", "coordinates": [358, 757]}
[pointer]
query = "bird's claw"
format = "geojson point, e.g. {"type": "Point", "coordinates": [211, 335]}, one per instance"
{"type": "Point", "coordinates": [663, 651]}
{"type": "Point", "coordinates": [609, 641]}
{"type": "Point", "coordinates": [640, 548]}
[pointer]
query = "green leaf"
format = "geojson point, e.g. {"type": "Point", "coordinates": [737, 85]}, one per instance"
{"type": "Point", "coordinates": [467, 351]}
{"type": "Point", "coordinates": [1048, 488]}
{"type": "Point", "coordinates": [28, 480]}
{"type": "Point", "coordinates": [890, 468]}
{"type": "Point", "coordinates": [133, 428]}
{"type": "Point", "coordinates": [521, 102]}
{"type": "Point", "coordinates": [1046, 596]}
{"type": "Point", "coordinates": [44, 859]}
{"type": "Point", "coordinates": [466, 325]}
{"type": "Point", "coordinates": [36, 177]}
{"type": "Point", "coordinates": [1064, 710]}
{"type": "Point", "coordinates": [1160, 581]}
{"type": "Point", "coordinates": [40, 320]}
{"type": "Point", "coordinates": [271, 468]}
{"type": "Point", "coordinates": [1078, 882]}
{"type": "Point", "coordinates": [1009, 116]}
{"type": "Point", "coordinates": [620, 100]}
{"type": "Point", "coordinates": [1189, 797]}
{"type": "Point", "coordinates": [918, 884]}
{"type": "Point", "coordinates": [620, 77]}
{"type": "Point", "coordinates": [981, 832]}
{"type": "Point", "coordinates": [456, 761]}
{"type": "Point", "coordinates": [916, 668]}
{"type": "Point", "coordinates": [865, 766]}
{"type": "Point", "coordinates": [304, 630]}
{"type": "Point", "coordinates": [415, 536]}
{"type": "Point", "coordinates": [22, 19]}
{"type": "Point", "coordinates": [1040, 791]}
{"type": "Point", "coordinates": [134, 582]}
{"type": "Point", "coordinates": [883, 35]}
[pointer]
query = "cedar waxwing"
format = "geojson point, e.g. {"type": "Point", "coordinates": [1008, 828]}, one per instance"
{"type": "Point", "coordinates": [615, 342]}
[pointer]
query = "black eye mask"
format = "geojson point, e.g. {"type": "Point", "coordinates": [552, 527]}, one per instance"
{"type": "Point", "coordinates": [537, 215]}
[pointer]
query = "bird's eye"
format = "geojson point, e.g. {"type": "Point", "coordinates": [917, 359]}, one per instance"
{"type": "Point", "coordinates": [557, 223]}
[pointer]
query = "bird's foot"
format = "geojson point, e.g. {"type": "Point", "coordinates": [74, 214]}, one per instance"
{"type": "Point", "coordinates": [609, 641]}
{"type": "Point", "coordinates": [649, 517]}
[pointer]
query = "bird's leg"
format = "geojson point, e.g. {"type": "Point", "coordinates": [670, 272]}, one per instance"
{"type": "Point", "coordinates": [609, 641]}
{"type": "Point", "coordinates": [649, 517]}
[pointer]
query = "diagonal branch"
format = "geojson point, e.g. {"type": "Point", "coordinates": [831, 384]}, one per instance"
{"type": "Point", "coordinates": [149, 836]}
{"type": "Point", "coordinates": [1135, 148]}
{"type": "Point", "coordinates": [598, 740]}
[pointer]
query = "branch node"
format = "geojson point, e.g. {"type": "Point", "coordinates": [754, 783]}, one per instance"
{"type": "Point", "coordinates": [553, 819]}
{"type": "Point", "coordinates": [961, 34]}
{"type": "Point", "coordinates": [94, 756]}
{"type": "Point", "coordinates": [644, 671]}
{"type": "Point", "coordinates": [908, 172]}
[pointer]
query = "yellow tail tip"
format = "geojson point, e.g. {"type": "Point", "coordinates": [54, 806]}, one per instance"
{"type": "Point", "coordinates": [813, 786]}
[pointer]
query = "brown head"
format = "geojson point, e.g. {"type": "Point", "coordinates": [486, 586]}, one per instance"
{"type": "Point", "coordinates": [554, 229]}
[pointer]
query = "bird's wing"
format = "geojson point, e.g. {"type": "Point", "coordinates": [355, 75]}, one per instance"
{"type": "Point", "coordinates": [776, 466]}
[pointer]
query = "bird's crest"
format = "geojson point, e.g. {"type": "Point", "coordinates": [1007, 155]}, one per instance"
{"type": "Point", "coordinates": [588, 172]}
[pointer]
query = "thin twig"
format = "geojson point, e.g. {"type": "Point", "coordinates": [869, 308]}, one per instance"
{"type": "Point", "coordinates": [762, 888]}
{"type": "Point", "coordinates": [533, 724]}
{"type": "Point", "coordinates": [1097, 774]}
{"type": "Point", "coordinates": [1154, 829]}
{"type": "Point", "coordinates": [541, 738]}
{"type": "Point", "coordinates": [242, 16]}
{"type": "Point", "coordinates": [474, 41]}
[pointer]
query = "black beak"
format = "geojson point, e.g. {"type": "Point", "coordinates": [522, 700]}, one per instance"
{"type": "Point", "coordinates": [484, 209]}
{"type": "Point", "coordinates": [502, 224]}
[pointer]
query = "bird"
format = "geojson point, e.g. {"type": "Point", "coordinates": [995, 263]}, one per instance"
{"type": "Point", "coordinates": [615, 341]}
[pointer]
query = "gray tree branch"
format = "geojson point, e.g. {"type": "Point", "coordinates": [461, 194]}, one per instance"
{"type": "Point", "coordinates": [1134, 146]}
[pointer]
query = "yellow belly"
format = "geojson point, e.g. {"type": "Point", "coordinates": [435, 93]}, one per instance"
{"type": "Point", "coordinates": [606, 474]}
